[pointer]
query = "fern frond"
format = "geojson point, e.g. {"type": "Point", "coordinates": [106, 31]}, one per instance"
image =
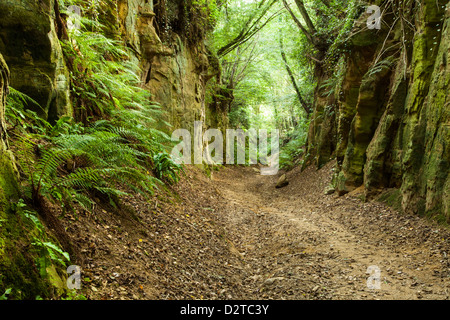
{"type": "Point", "coordinates": [21, 99]}
{"type": "Point", "coordinates": [49, 163]}
{"type": "Point", "coordinates": [84, 178]}
{"type": "Point", "coordinates": [84, 201]}
{"type": "Point", "coordinates": [111, 191]}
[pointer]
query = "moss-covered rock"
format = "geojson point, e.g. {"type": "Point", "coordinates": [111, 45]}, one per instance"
{"type": "Point", "coordinates": [30, 45]}
{"type": "Point", "coordinates": [19, 269]}
{"type": "Point", "coordinates": [393, 111]}
{"type": "Point", "coordinates": [383, 166]}
{"type": "Point", "coordinates": [427, 155]}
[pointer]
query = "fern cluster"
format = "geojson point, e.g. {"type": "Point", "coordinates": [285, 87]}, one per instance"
{"type": "Point", "coordinates": [19, 115]}
{"type": "Point", "coordinates": [111, 146]}
{"type": "Point", "coordinates": [379, 67]}
{"type": "Point", "coordinates": [105, 80]}
{"type": "Point", "coordinates": [70, 166]}
{"type": "Point", "coordinates": [166, 169]}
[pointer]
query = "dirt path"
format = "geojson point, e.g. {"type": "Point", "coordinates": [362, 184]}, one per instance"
{"type": "Point", "coordinates": [237, 237]}
{"type": "Point", "coordinates": [298, 243]}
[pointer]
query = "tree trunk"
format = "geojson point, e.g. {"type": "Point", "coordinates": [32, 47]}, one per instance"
{"type": "Point", "coordinates": [294, 83]}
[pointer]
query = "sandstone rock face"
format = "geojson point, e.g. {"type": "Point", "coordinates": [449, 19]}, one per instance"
{"type": "Point", "coordinates": [8, 184]}
{"type": "Point", "coordinates": [390, 128]}
{"type": "Point", "coordinates": [30, 46]}
{"type": "Point", "coordinates": [17, 267]}
{"type": "Point", "coordinates": [178, 72]}
{"type": "Point", "coordinates": [9, 188]}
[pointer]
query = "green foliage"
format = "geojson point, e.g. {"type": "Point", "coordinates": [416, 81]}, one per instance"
{"type": "Point", "coordinates": [71, 166]}
{"type": "Point", "coordinates": [110, 148]}
{"type": "Point", "coordinates": [48, 252]}
{"type": "Point", "coordinates": [19, 117]}
{"type": "Point", "coordinates": [264, 95]}
{"type": "Point", "coordinates": [105, 79]}
{"type": "Point", "coordinates": [292, 148]}
{"type": "Point", "coordinates": [165, 168]}
{"type": "Point", "coordinates": [239, 116]}
{"type": "Point", "coordinates": [329, 86]}
{"type": "Point", "coordinates": [74, 295]}
{"type": "Point", "coordinates": [379, 67]}
{"type": "Point", "coordinates": [107, 87]}
{"type": "Point", "coordinates": [210, 10]}
{"type": "Point", "coordinates": [68, 161]}
{"type": "Point", "coordinates": [338, 28]}
{"type": "Point", "coordinates": [5, 295]}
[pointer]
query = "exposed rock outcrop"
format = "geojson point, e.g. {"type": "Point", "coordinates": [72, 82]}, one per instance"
{"type": "Point", "coordinates": [390, 128]}
{"type": "Point", "coordinates": [30, 46]}
{"type": "Point", "coordinates": [18, 270]}
{"type": "Point", "coordinates": [8, 177]}
{"type": "Point", "coordinates": [178, 72]}
{"type": "Point", "coordinates": [177, 67]}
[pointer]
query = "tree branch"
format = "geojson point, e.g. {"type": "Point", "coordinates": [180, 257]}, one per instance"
{"type": "Point", "coordinates": [294, 83]}
{"type": "Point", "coordinates": [250, 28]}
{"type": "Point", "coordinates": [305, 15]}
{"type": "Point", "coordinates": [298, 23]}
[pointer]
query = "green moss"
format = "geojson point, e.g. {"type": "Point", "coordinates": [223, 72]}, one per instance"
{"type": "Point", "coordinates": [20, 261]}
{"type": "Point", "coordinates": [19, 268]}
{"type": "Point", "coordinates": [19, 273]}
{"type": "Point", "coordinates": [340, 183]}
{"type": "Point", "coordinates": [426, 45]}
{"type": "Point", "coordinates": [393, 198]}
{"type": "Point", "coordinates": [8, 183]}
{"type": "Point", "coordinates": [56, 280]}
{"type": "Point", "coordinates": [439, 217]}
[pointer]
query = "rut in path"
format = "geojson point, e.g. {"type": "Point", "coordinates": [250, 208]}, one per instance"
{"type": "Point", "coordinates": [298, 243]}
